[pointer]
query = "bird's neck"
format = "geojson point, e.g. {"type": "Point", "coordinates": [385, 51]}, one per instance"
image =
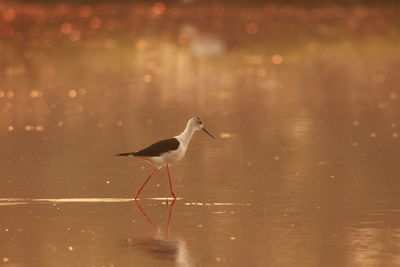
{"type": "Point", "coordinates": [186, 135]}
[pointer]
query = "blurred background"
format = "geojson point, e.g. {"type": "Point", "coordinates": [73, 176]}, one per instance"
{"type": "Point", "coordinates": [302, 95]}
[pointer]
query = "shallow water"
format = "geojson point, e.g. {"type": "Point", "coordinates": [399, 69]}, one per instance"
{"type": "Point", "coordinates": [304, 102]}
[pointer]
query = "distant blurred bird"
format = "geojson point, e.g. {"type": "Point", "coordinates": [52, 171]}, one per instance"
{"type": "Point", "coordinates": [203, 43]}
{"type": "Point", "coordinates": [165, 152]}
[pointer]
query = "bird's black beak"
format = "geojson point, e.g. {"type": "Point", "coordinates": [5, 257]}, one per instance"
{"type": "Point", "coordinates": [204, 129]}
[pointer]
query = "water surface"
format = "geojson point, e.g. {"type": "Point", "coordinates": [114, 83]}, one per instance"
{"type": "Point", "coordinates": [304, 102]}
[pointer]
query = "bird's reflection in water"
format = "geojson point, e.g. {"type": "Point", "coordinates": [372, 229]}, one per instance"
{"type": "Point", "coordinates": [160, 245]}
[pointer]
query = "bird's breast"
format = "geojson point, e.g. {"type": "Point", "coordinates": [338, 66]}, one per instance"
{"type": "Point", "coordinates": [167, 158]}
{"type": "Point", "coordinates": [175, 155]}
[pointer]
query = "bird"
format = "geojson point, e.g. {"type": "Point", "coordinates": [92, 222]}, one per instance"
{"type": "Point", "coordinates": [165, 152]}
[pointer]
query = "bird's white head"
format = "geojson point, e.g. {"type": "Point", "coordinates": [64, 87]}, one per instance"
{"type": "Point", "coordinates": [196, 124]}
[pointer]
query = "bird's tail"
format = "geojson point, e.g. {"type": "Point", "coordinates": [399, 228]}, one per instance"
{"type": "Point", "coordinates": [126, 154]}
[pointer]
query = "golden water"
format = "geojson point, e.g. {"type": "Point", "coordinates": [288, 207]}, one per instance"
{"type": "Point", "coordinates": [304, 102]}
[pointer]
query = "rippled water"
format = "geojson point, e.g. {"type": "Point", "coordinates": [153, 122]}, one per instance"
{"type": "Point", "coordinates": [304, 102]}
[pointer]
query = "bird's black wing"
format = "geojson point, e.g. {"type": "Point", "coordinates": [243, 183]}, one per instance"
{"type": "Point", "coordinates": [156, 149]}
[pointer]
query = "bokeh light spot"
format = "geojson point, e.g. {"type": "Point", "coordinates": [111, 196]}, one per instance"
{"type": "Point", "coordinates": [158, 8]}
{"type": "Point", "coordinates": [66, 28]}
{"type": "Point", "coordinates": [10, 94]}
{"type": "Point", "coordinates": [9, 14]}
{"type": "Point", "coordinates": [95, 23]}
{"type": "Point", "coordinates": [75, 36]}
{"type": "Point", "coordinates": [148, 78]}
{"type": "Point", "coordinates": [29, 128]}
{"type": "Point", "coordinates": [34, 93]}
{"type": "Point", "coordinates": [251, 28]}
{"type": "Point", "coordinates": [85, 11]}
{"type": "Point", "coordinates": [72, 93]}
{"type": "Point", "coordinates": [378, 78]}
{"type": "Point", "coordinates": [228, 135]}
{"type": "Point", "coordinates": [39, 128]}
{"type": "Point", "coordinates": [277, 59]}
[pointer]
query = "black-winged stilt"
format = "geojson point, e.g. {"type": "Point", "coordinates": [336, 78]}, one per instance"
{"type": "Point", "coordinates": [165, 152]}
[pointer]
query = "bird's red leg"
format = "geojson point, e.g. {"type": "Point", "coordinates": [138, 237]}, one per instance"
{"type": "Point", "coordinates": [145, 182]}
{"type": "Point", "coordinates": [170, 184]}
{"type": "Point", "coordinates": [170, 215]}
{"type": "Point", "coordinates": [146, 216]}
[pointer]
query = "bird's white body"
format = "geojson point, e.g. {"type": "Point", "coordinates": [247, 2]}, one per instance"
{"type": "Point", "coordinates": [165, 159]}
{"type": "Point", "coordinates": [170, 157]}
